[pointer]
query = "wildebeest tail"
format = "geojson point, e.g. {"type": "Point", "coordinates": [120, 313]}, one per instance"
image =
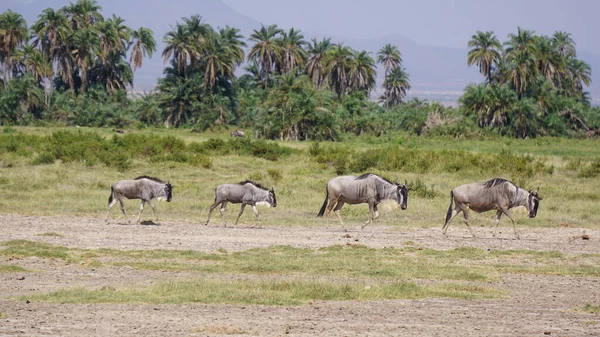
{"type": "Point", "coordinates": [110, 198]}
{"type": "Point", "coordinates": [449, 214]}
{"type": "Point", "coordinates": [322, 211]}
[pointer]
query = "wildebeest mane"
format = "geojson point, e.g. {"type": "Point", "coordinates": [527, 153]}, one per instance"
{"type": "Point", "coordinates": [497, 181]}
{"type": "Point", "coordinates": [366, 175]}
{"type": "Point", "coordinates": [151, 178]}
{"type": "Point", "coordinates": [253, 183]}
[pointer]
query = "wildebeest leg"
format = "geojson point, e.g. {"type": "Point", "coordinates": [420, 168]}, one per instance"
{"type": "Point", "coordinates": [455, 212]}
{"type": "Point", "coordinates": [141, 210]}
{"type": "Point", "coordinates": [222, 212]}
{"type": "Point", "coordinates": [466, 215]}
{"type": "Point", "coordinates": [373, 212]}
{"type": "Point", "coordinates": [257, 216]}
{"type": "Point", "coordinates": [153, 210]}
{"type": "Point", "coordinates": [123, 209]}
{"type": "Point", "coordinates": [337, 208]}
{"type": "Point", "coordinates": [498, 215]}
{"type": "Point", "coordinates": [509, 215]}
{"type": "Point", "coordinates": [239, 215]}
{"type": "Point", "coordinates": [212, 207]}
{"type": "Point", "coordinates": [332, 203]}
{"type": "Point", "coordinates": [110, 205]}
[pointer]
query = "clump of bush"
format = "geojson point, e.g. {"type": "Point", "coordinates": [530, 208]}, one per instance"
{"type": "Point", "coordinates": [397, 158]}
{"type": "Point", "coordinates": [419, 188]}
{"type": "Point", "coordinates": [590, 171]}
{"type": "Point", "coordinates": [119, 151]}
{"type": "Point", "coordinates": [243, 147]}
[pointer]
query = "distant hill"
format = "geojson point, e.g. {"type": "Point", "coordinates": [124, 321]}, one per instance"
{"type": "Point", "coordinates": [437, 73]}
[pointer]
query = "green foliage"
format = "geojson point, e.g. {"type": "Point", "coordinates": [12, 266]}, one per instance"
{"type": "Point", "coordinates": [419, 188]}
{"type": "Point", "coordinates": [11, 269]}
{"type": "Point", "coordinates": [241, 146]}
{"type": "Point", "coordinates": [590, 171]}
{"type": "Point", "coordinates": [23, 248]}
{"type": "Point", "coordinates": [396, 158]}
{"type": "Point", "coordinates": [592, 309]}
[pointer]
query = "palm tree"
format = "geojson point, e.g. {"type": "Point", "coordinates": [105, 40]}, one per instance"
{"type": "Point", "coordinates": [50, 30]}
{"type": "Point", "coordinates": [199, 34]}
{"type": "Point", "coordinates": [180, 47]}
{"type": "Point", "coordinates": [521, 69]}
{"type": "Point", "coordinates": [484, 51]}
{"type": "Point", "coordinates": [83, 13]}
{"type": "Point", "coordinates": [523, 40]}
{"type": "Point", "coordinates": [396, 85]}
{"type": "Point", "coordinates": [51, 33]}
{"type": "Point", "coordinates": [580, 73]}
{"type": "Point", "coordinates": [337, 61]}
{"type": "Point", "coordinates": [29, 94]}
{"type": "Point", "coordinates": [142, 45]}
{"type": "Point", "coordinates": [13, 33]}
{"type": "Point", "coordinates": [293, 54]}
{"type": "Point", "coordinates": [266, 49]}
{"type": "Point", "coordinates": [521, 50]}
{"type": "Point", "coordinates": [108, 37]}
{"type": "Point", "coordinates": [548, 61]}
{"type": "Point", "coordinates": [114, 73]}
{"type": "Point", "coordinates": [253, 70]}
{"type": "Point", "coordinates": [217, 61]}
{"type": "Point", "coordinates": [362, 72]}
{"type": "Point", "coordinates": [33, 62]}
{"type": "Point", "coordinates": [316, 60]}
{"type": "Point", "coordinates": [233, 41]}
{"type": "Point", "coordinates": [563, 43]}
{"type": "Point", "coordinates": [123, 31]}
{"type": "Point", "coordinates": [389, 57]}
{"type": "Point", "coordinates": [85, 45]}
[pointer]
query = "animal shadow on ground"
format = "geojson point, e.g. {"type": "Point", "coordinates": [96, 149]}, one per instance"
{"type": "Point", "coordinates": [149, 223]}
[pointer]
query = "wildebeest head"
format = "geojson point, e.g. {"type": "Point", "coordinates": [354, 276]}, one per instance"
{"type": "Point", "coordinates": [169, 191]}
{"type": "Point", "coordinates": [272, 198]}
{"type": "Point", "coordinates": [533, 202]}
{"type": "Point", "coordinates": [402, 194]}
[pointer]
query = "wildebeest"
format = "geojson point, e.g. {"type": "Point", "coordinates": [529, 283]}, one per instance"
{"type": "Point", "coordinates": [142, 187]}
{"type": "Point", "coordinates": [237, 133]}
{"type": "Point", "coordinates": [496, 194]}
{"type": "Point", "coordinates": [247, 193]}
{"type": "Point", "coordinates": [367, 188]}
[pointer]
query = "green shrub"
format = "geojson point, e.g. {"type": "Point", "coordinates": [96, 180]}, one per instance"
{"type": "Point", "coordinates": [275, 174]}
{"type": "Point", "coordinates": [43, 159]}
{"type": "Point", "coordinates": [590, 171]}
{"type": "Point", "coordinates": [420, 189]}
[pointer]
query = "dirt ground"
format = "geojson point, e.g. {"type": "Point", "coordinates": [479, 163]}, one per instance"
{"type": "Point", "coordinates": [535, 305]}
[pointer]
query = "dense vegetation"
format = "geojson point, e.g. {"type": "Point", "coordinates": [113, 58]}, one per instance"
{"type": "Point", "coordinates": [73, 67]}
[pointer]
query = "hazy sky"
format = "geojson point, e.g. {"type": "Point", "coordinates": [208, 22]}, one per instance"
{"type": "Point", "coordinates": [448, 23]}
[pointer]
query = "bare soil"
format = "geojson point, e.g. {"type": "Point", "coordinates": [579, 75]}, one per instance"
{"type": "Point", "coordinates": [535, 305]}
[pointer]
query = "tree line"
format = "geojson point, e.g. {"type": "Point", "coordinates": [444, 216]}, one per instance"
{"type": "Point", "coordinates": [533, 83]}
{"type": "Point", "coordinates": [74, 66]}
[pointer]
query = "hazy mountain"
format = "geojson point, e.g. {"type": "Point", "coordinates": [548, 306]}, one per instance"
{"type": "Point", "coordinates": [435, 72]}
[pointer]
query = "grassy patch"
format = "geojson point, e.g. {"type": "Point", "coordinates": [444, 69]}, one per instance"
{"type": "Point", "coordinates": [292, 292]}
{"type": "Point", "coordinates": [347, 261]}
{"type": "Point", "coordinates": [24, 248]}
{"type": "Point", "coordinates": [12, 269]}
{"type": "Point", "coordinates": [283, 275]}
{"type": "Point", "coordinates": [593, 309]}
{"type": "Point", "coordinates": [52, 234]}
